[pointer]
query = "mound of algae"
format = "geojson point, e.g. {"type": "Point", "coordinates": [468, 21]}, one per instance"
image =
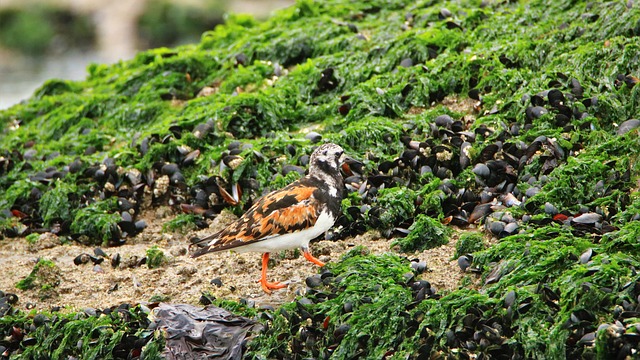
{"type": "Point", "coordinates": [365, 74]}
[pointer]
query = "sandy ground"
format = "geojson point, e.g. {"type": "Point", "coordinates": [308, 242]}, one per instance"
{"type": "Point", "coordinates": [183, 279]}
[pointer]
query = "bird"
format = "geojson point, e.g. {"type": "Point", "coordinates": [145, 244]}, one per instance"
{"type": "Point", "coordinates": [287, 218]}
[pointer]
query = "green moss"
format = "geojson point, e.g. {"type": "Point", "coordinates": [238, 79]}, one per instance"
{"type": "Point", "coordinates": [469, 242]}
{"type": "Point", "coordinates": [45, 278]}
{"type": "Point", "coordinates": [342, 69]}
{"type": "Point", "coordinates": [78, 335]}
{"type": "Point", "coordinates": [398, 204]}
{"type": "Point", "coordinates": [155, 257]}
{"type": "Point", "coordinates": [182, 223]}
{"type": "Point", "coordinates": [97, 221]}
{"type": "Point", "coordinates": [32, 238]}
{"type": "Point", "coordinates": [425, 233]}
{"type": "Point", "coordinates": [241, 307]}
{"type": "Point", "coordinates": [159, 298]}
{"type": "Point", "coordinates": [55, 203]}
{"type": "Point", "coordinates": [372, 284]}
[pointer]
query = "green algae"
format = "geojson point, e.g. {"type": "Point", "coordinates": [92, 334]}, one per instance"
{"type": "Point", "coordinates": [97, 223]}
{"type": "Point", "coordinates": [97, 336]}
{"type": "Point", "coordinates": [341, 66]}
{"type": "Point", "coordinates": [182, 223]}
{"type": "Point", "coordinates": [155, 257]}
{"type": "Point", "coordinates": [469, 243]}
{"type": "Point", "coordinates": [374, 287]}
{"type": "Point", "coordinates": [425, 233]}
{"type": "Point", "coordinates": [45, 278]}
{"type": "Point", "coordinates": [399, 205]}
{"type": "Point", "coordinates": [55, 204]}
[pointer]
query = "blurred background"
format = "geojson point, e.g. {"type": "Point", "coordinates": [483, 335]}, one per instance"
{"type": "Point", "coordinates": [44, 39]}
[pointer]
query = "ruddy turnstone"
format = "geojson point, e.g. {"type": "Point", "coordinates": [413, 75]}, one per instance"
{"type": "Point", "coordinates": [287, 218]}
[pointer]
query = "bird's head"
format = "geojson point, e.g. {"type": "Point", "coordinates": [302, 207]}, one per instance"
{"type": "Point", "coordinates": [327, 158]}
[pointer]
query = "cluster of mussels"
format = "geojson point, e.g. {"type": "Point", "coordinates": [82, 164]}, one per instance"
{"type": "Point", "coordinates": [313, 332]}
{"type": "Point", "coordinates": [506, 172]}
{"type": "Point", "coordinates": [132, 321]}
{"type": "Point", "coordinates": [621, 337]}
{"type": "Point", "coordinates": [162, 184]}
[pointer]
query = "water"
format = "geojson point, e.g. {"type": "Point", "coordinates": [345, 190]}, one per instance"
{"type": "Point", "coordinates": [20, 77]}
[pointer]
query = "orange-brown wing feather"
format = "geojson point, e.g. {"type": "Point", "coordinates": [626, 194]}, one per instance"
{"type": "Point", "coordinates": [290, 209]}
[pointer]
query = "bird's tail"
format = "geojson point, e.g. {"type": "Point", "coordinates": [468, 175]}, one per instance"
{"type": "Point", "coordinates": [205, 245]}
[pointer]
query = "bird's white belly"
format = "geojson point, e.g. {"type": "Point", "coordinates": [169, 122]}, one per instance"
{"type": "Point", "coordinates": [291, 240]}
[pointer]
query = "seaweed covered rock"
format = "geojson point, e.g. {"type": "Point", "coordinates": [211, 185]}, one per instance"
{"type": "Point", "coordinates": [44, 278]}
{"type": "Point", "coordinates": [495, 115]}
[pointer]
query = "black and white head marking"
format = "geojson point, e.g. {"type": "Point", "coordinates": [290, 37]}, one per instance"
{"type": "Point", "coordinates": [325, 165]}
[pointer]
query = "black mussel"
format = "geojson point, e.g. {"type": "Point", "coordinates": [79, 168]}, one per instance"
{"type": "Point", "coordinates": [587, 218]}
{"type": "Point", "coordinates": [289, 168]}
{"type": "Point", "coordinates": [313, 136]}
{"type": "Point", "coordinates": [627, 126]}
{"type": "Point", "coordinates": [586, 256]}
{"type": "Point", "coordinates": [291, 150]}
{"type": "Point", "coordinates": [177, 179]}
{"type": "Point", "coordinates": [304, 160]}
{"type": "Point", "coordinates": [232, 161]}
{"type": "Point", "coordinates": [203, 129]}
{"type": "Point", "coordinates": [537, 100]}
{"type": "Point", "coordinates": [99, 252]}
{"type": "Point", "coordinates": [464, 262]}
{"type": "Point", "coordinates": [535, 112]}
{"type": "Point", "coordinates": [481, 170]}
{"type": "Point", "coordinates": [124, 204]}
{"type": "Point", "coordinates": [588, 339]}
{"type": "Point", "coordinates": [486, 196]}
{"type": "Point", "coordinates": [509, 229]}
{"type": "Point", "coordinates": [241, 59]}
{"type": "Point", "coordinates": [576, 88]}
{"type": "Point", "coordinates": [488, 153]}
{"type": "Point", "coordinates": [82, 259]}
{"type": "Point", "coordinates": [75, 166]}
{"type": "Point", "coordinates": [313, 281]}
{"type": "Point", "coordinates": [532, 191]}
{"type": "Point", "coordinates": [444, 121]}
{"type": "Point", "coordinates": [496, 227]}
{"type": "Point", "coordinates": [328, 80]}
{"type": "Point", "coordinates": [140, 225]}
{"type": "Point", "coordinates": [385, 166]}
{"type": "Point", "coordinates": [115, 260]}
{"type": "Point", "coordinates": [419, 266]}
{"type": "Point", "coordinates": [457, 126]}
{"type": "Point", "coordinates": [480, 212]}
{"type": "Point", "coordinates": [556, 97]}
{"type": "Point", "coordinates": [550, 209]}
{"type": "Point", "coordinates": [191, 157]}
{"type": "Point", "coordinates": [127, 226]}
{"type": "Point", "coordinates": [510, 298]}
{"type": "Point", "coordinates": [341, 331]}
{"type": "Point", "coordinates": [169, 169]}
{"type": "Point", "coordinates": [406, 62]}
{"type": "Point", "coordinates": [444, 13]}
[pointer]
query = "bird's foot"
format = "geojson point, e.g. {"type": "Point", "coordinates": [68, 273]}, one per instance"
{"type": "Point", "coordinates": [308, 256]}
{"type": "Point", "coordinates": [268, 286]}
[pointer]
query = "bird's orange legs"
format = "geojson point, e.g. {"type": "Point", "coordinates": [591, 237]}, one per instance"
{"type": "Point", "coordinates": [268, 286]}
{"type": "Point", "coordinates": [308, 256]}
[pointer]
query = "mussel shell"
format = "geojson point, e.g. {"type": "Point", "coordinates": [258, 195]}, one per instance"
{"type": "Point", "coordinates": [627, 126]}
{"type": "Point", "coordinates": [82, 259]}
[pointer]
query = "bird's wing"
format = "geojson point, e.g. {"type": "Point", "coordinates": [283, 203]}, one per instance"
{"type": "Point", "coordinates": [290, 209]}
